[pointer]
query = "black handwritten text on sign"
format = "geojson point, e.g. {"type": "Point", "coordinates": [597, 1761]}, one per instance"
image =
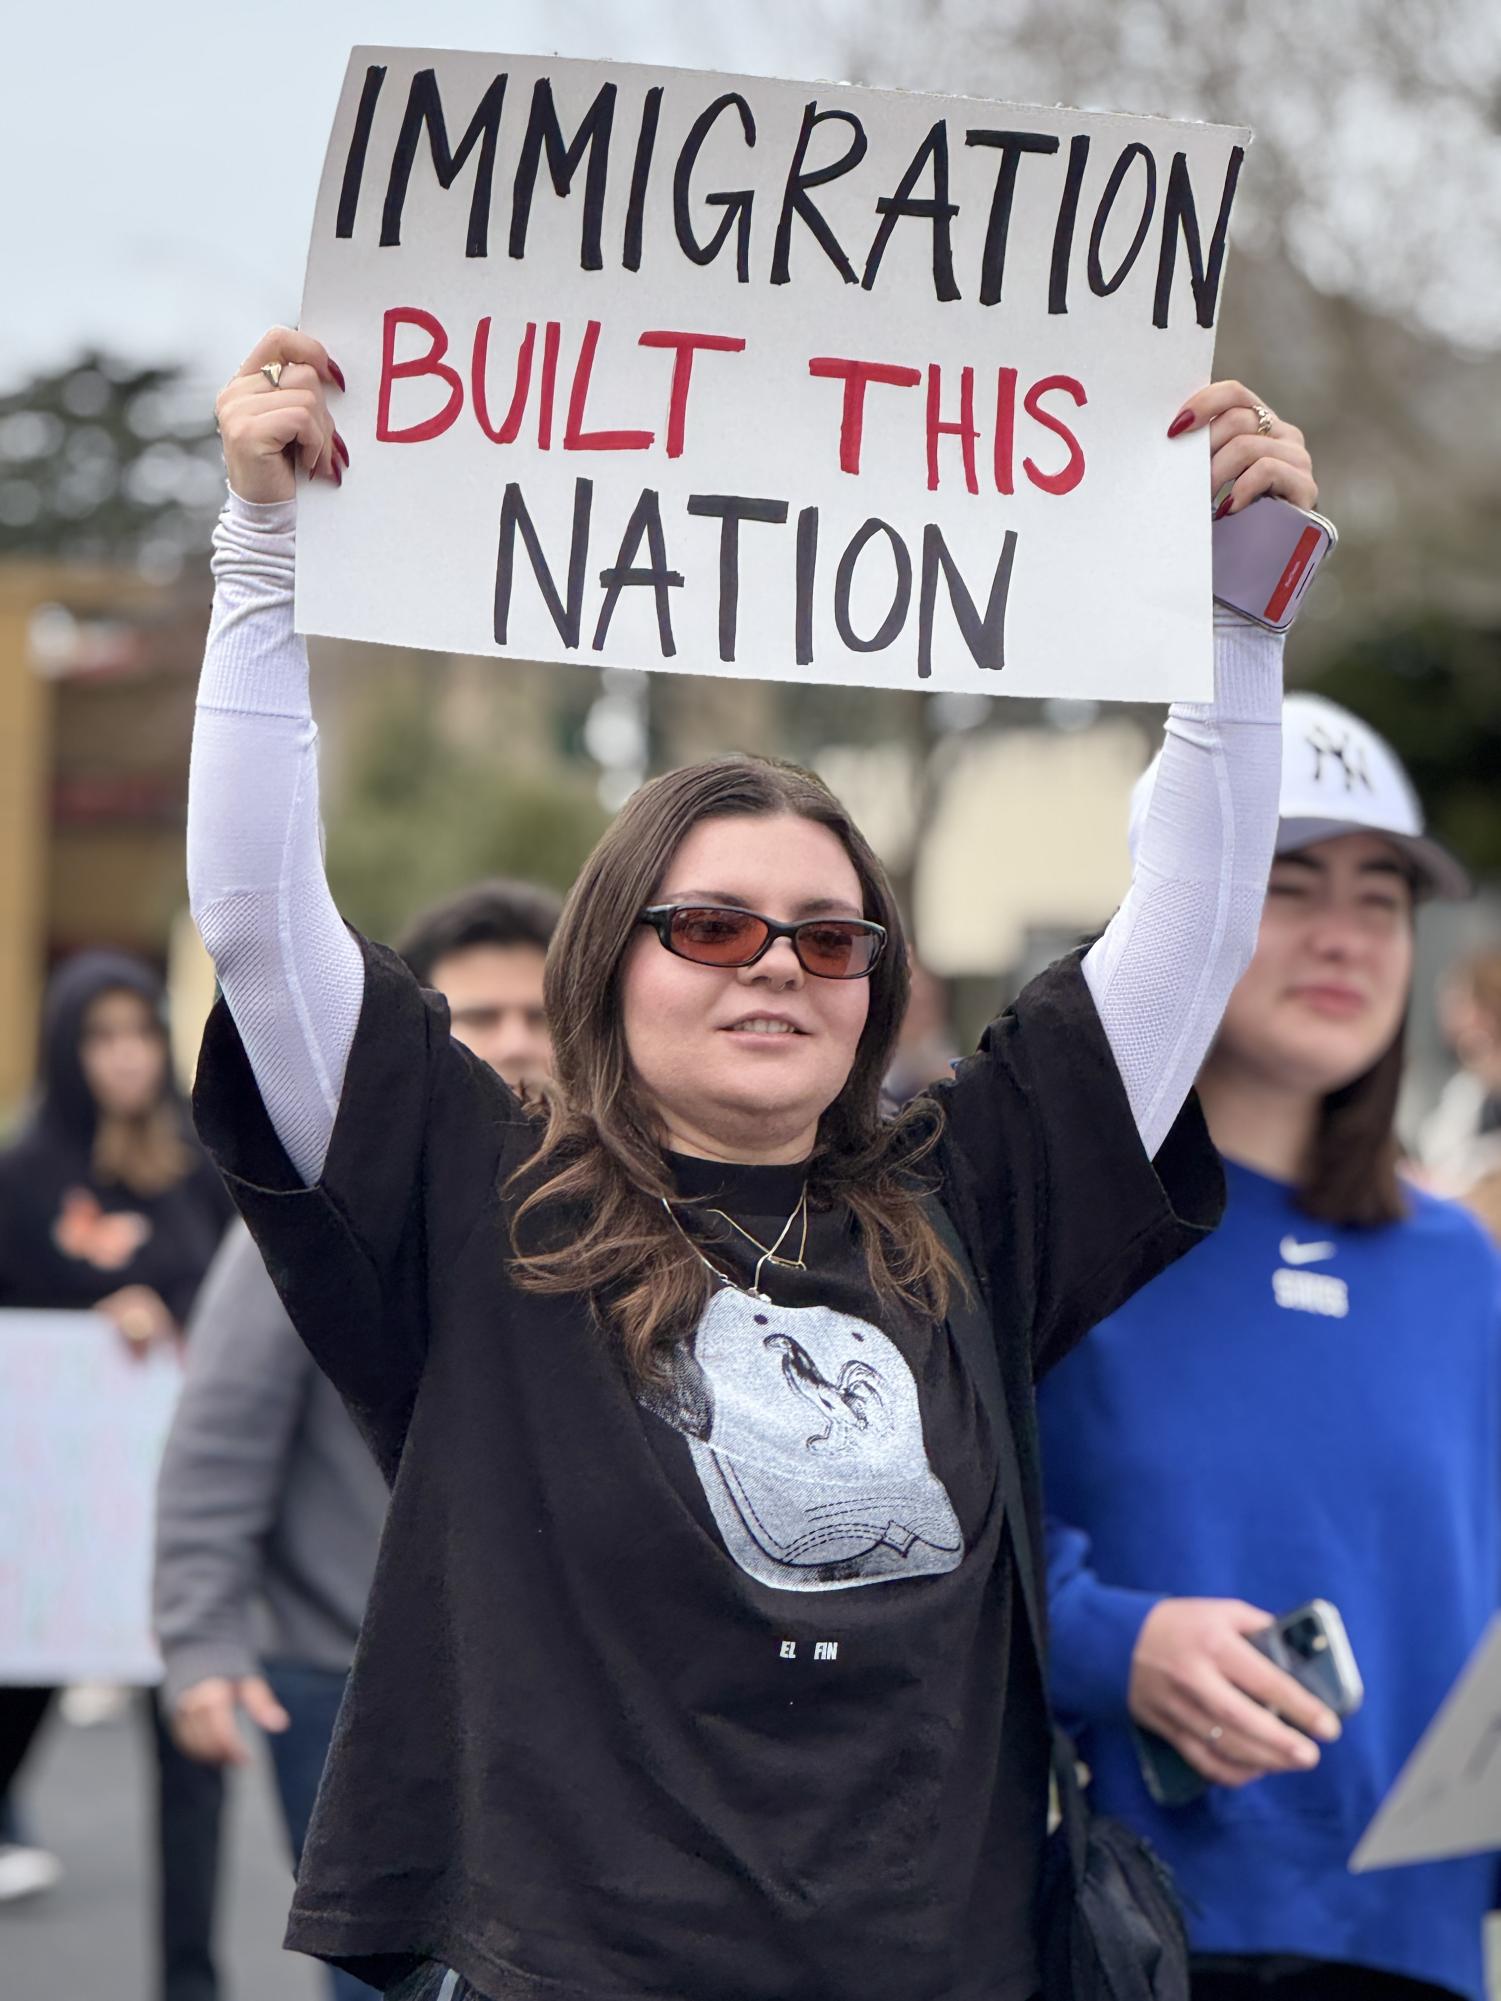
{"type": "Point", "coordinates": [658, 369]}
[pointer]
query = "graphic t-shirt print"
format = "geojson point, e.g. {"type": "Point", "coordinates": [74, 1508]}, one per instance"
{"type": "Point", "coordinates": [105, 1238]}
{"type": "Point", "coordinates": [806, 1433]}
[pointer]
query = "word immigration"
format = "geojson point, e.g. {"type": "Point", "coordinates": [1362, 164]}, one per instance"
{"type": "Point", "coordinates": [921, 196]}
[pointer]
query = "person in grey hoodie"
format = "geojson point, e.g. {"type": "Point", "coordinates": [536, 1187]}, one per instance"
{"type": "Point", "coordinates": [269, 1506]}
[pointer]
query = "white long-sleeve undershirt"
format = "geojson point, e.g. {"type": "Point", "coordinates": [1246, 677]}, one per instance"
{"type": "Point", "coordinates": [293, 978]}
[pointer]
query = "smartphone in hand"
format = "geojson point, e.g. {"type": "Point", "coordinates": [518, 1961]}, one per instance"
{"type": "Point", "coordinates": [1311, 1645]}
{"type": "Point", "coordinates": [1167, 1775]}
{"type": "Point", "coordinates": [1265, 557]}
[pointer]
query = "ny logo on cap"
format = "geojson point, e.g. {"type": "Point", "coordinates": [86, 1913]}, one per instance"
{"type": "Point", "coordinates": [1346, 753]}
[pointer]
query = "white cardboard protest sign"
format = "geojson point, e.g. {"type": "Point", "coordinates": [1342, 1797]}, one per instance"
{"type": "Point", "coordinates": [805, 382]}
{"type": "Point", "coordinates": [82, 1426]}
{"type": "Point", "coordinates": [1447, 1799]}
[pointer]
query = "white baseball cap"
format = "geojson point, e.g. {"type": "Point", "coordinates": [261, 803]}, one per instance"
{"type": "Point", "coordinates": [1340, 777]}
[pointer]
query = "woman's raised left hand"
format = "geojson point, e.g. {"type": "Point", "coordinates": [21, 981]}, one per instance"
{"type": "Point", "coordinates": [1252, 450]}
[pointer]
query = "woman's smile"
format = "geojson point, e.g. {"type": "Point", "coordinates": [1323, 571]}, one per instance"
{"type": "Point", "coordinates": [764, 1028]}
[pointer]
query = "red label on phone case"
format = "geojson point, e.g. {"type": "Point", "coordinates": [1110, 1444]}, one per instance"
{"type": "Point", "coordinates": [1287, 583]}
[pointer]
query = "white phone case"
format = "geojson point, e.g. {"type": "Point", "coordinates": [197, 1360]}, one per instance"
{"type": "Point", "coordinates": [1265, 557]}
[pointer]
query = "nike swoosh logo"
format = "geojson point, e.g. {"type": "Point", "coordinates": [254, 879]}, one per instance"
{"type": "Point", "coordinates": [1294, 1253]}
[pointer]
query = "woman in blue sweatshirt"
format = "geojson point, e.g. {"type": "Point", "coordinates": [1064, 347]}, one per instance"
{"type": "Point", "coordinates": [1309, 1406]}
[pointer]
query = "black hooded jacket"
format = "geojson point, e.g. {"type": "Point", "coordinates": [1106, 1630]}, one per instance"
{"type": "Point", "coordinates": [68, 1239]}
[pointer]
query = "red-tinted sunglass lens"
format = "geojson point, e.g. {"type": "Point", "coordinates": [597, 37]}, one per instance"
{"type": "Point", "coordinates": [717, 937]}
{"type": "Point", "coordinates": [836, 951]}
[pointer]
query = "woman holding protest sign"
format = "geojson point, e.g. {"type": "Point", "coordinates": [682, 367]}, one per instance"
{"type": "Point", "coordinates": [668, 1377]}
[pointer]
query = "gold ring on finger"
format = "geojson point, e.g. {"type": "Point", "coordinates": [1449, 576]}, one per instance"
{"type": "Point", "coordinates": [1264, 420]}
{"type": "Point", "coordinates": [272, 372]}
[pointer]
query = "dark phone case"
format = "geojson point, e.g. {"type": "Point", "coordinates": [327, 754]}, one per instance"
{"type": "Point", "coordinates": [1315, 1673]}
{"type": "Point", "coordinates": [1165, 1773]}
{"type": "Point", "coordinates": [1169, 1777]}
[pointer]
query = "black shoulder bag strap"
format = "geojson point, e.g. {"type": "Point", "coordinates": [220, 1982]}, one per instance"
{"type": "Point", "coordinates": [1008, 1396]}
{"type": "Point", "coordinates": [1112, 1924]}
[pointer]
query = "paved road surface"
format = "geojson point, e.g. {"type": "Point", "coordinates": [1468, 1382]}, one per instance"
{"type": "Point", "coordinates": [85, 1798]}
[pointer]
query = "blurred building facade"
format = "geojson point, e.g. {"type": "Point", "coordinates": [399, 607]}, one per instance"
{"type": "Point", "coordinates": [1006, 835]}
{"type": "Point", "coordinates": [98, 670]}
{"type": "Point", "coordinates": [95, 708]}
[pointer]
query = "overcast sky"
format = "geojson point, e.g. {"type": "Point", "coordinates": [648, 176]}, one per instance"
{"type": "Point", "coordinates": [159, 162]}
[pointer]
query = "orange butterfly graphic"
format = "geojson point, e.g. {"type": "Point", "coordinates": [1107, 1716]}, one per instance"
{"type": "Point", "coordinates": [106, 1240]}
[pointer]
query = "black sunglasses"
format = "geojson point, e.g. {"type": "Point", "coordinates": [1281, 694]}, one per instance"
{"type": "Point", "coordinates": [831, 948]}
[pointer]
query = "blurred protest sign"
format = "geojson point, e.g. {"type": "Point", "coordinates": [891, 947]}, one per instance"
{"type": "Point", "coordinates": [82, 1425]}
{"type": "Point", "coordinates": [1447, 1800]}
{"type": "Point", "coordinates": [651, 368]}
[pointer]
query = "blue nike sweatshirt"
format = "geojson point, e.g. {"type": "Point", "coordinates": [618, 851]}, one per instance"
{"type": "Point", "coordinates": [1294, 1411]}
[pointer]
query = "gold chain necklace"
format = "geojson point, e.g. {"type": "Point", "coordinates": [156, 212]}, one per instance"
{"type": "Point", "coordinates": [768, 1251]}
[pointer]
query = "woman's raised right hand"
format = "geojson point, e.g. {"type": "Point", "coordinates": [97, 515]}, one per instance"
{"type": "Point", "coordinates": [269, 430]}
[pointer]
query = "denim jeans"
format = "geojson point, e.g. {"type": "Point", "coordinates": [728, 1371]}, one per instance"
{"type": "Point", "coordinates": [189, 1813]}
{"type": "Point", "coordinates": [311, 1697]}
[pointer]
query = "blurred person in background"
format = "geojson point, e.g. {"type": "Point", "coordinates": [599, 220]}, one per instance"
{"type": "Point", "coordinates": [1483, 1200]}
{"type": "Point", "coordinates": [925, 1049]}
{"type": "Point", "coordinates": [484, 950]}
{"type": "Point", "coordinates": [1307, 1407]}
{"type": "Point", "coordinates": [270, 1505]}
{"type": "Point", "coordinates": [1459, 1143]}
{"type": "Point", "coordinates": [108, 1204]}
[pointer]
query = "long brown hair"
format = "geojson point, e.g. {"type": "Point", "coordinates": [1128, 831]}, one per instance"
{"type": "Point", "coordinates": [599, 1175]}
{"type": "Point", "coordinates": [1351, 1176]}
{"type": "Point", "coordinates": [148, 1154]}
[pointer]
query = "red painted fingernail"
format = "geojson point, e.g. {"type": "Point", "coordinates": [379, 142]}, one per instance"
{"type": "Point", "coordinates": [1180, 423]}
{"type": "Point", "coordinates": [338, 476]}
{"type": "Point", "coordinates": [1224, 507]}
{"type": "Point", "coordinates": [341, 448]}
{"type": "Point", "coordinates": [337, 373]}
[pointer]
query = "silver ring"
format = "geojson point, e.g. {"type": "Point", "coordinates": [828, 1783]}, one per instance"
{"type": "Point", "coordinates": [272, 372]}
{"type": "Point", "coordinates": [1264, 420]}
{"type": "Point", "coordinates": [1215, 1733]}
